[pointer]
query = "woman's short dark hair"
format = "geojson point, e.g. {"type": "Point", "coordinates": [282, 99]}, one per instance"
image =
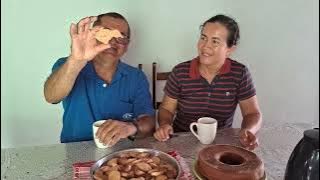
{"type": "Point", "coordinates": [114, 15]}
{"type": "Point", "coordinates": [230, 24]}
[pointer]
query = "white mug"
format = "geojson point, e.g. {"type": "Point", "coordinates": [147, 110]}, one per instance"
{"type": "Point", "coordinates": [206, 129]}
{"type": "Point", "coordinates": [95, 127]}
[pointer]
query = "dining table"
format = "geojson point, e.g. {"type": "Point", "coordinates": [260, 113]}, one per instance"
{"type": "Point", "coordinates": [276, 142]}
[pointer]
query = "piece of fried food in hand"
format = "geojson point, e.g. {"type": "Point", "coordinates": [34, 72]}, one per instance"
{"type": "Point", "coordinates": [105, 35]}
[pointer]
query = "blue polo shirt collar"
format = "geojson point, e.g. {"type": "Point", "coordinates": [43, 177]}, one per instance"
{"type": "Point", "coordinates": [121, 71]}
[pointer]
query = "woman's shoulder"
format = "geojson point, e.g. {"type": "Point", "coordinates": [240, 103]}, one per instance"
{"type": "Point", "coordinates": [235, 63]}
{"type": "Point", "coordinates": [183, 65]}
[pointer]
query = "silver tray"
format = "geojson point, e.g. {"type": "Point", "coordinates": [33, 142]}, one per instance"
{"type": "Point", "coordinates": [163, 156]}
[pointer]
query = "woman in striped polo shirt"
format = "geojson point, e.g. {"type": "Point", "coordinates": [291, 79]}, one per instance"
{"type": "Point", "coordinates": [211, 85]}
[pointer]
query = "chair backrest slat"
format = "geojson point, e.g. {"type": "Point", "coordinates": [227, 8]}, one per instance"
{"type": "Point", "coordinates": [157, 76]}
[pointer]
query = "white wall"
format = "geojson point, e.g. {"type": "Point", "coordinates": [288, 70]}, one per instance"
{"type": "Point", "coordinates": [279, 42]}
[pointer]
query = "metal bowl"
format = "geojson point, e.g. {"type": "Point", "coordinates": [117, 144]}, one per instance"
{"type": "Point", "coordinates": [163, 156]}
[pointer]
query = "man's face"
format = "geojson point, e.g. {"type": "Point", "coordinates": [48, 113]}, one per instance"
{"type": "Point", "coordinates": [118, 47]}
{"type": "Point", "coordinates": [212, 45]}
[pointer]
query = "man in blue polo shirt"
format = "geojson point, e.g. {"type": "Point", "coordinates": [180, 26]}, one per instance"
{"type": "Point", "coordinates": [93, 84]}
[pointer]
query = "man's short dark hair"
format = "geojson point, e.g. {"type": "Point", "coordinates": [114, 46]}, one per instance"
{"type": "Point", "coordinates": [114, 15]}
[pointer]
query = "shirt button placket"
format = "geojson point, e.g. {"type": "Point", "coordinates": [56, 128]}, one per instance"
{"type": "Point", "coordinates": [209, 94]}
{"type": "Point", "coordinates": [210, 89]}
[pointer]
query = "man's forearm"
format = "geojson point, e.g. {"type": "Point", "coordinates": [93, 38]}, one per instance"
{"type": "Point", "coordinates": [60, 83]}
{"type": "Point", "coordinates": [165, 117]}
{"type": "Point", "coordinates": [252, 122]}
{"type": "Point", "coordinates": [146, 125]}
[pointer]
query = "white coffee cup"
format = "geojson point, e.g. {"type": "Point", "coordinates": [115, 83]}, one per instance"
{"type": "Point", "coordinates": [206, 129]}
{"type": "Point", "coordinates": [95, 127]}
